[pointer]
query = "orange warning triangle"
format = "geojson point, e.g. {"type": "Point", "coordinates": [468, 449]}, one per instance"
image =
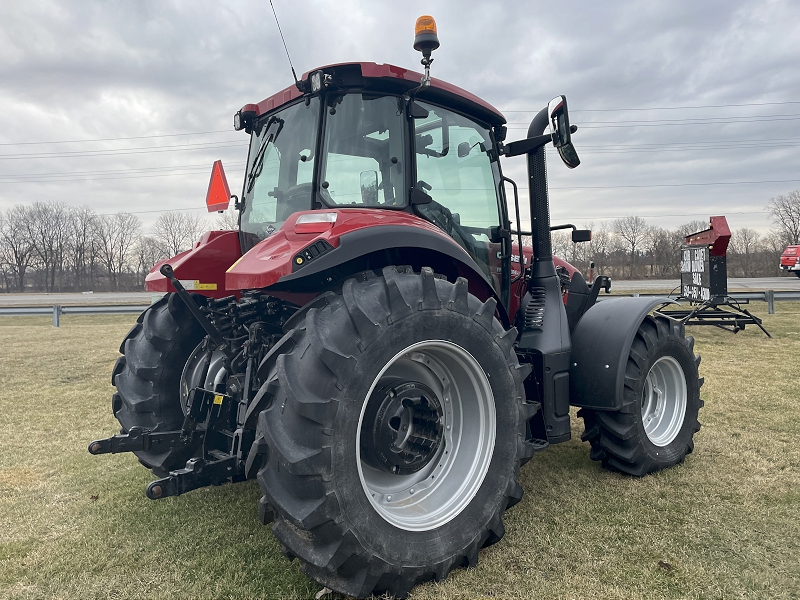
{"type": "Point", "coordinates": [219, 194]}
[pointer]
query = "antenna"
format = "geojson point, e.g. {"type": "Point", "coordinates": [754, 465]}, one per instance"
{"type": "Point", "coordinates": [291, 66]}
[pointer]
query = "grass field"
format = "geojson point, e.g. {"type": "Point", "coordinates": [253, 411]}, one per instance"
{"type": "Point", "coordinates": [725, 524]}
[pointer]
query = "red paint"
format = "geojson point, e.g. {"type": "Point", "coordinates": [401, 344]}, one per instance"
{"type": "Point", "coordinates": [717, 236]}
{"type": "Point", "coordinates": [219, 194]}
{"type": "Point", "coordinates": [213, 257]}
{"type": "Point", "coordinates": [272, 258]}
{"type": "Point", "coordinates": [206, 262]}
{"type": "Point", "coordinates": [791, 257]}
{"type": "Point", "coordinates": [517, 288]}
{"type": "Point", "coordinates": [375, 71]}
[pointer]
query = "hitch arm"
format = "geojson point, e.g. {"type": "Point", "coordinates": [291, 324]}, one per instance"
{"type": "Point", "coordinates": [197, 473]}
{"type": "Point", "coordinates": [213, 332]}
{"type": "Point", "coordinates": [138, 439]}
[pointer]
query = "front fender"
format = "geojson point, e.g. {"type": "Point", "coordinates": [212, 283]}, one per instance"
{"type": "Point", "coordinates": [600, 345]}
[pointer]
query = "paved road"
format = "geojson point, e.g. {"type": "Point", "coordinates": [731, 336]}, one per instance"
{"type": "Point", "coordinates": [618, 285]}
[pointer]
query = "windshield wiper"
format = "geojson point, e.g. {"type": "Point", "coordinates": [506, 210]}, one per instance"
{"type": "Point", "coordinates": [258, 162]}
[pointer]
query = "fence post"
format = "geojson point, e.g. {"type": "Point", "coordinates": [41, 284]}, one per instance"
{"type": "Point", "coordinates": [770, 294]}
{"type": "Point", "coordinates": [56, 315]}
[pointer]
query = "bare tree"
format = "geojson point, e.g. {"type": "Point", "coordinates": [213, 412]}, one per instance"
{"type": "Point", "coordinates": [785, 212]}
{"type": "Point", "coordinates": [598, 248]}
{"type": "Point", "coordinates": [81, 255]}
{"type": "Point", "coordinates": [47, 227]}
{"type": "Point", "coordinates": [16, 248]}
{"type": "Point", "coordinates": [228, 220]}
{"type": "Point", "coordinates": [772, 246]}
{"type": "Point", "coordinates": [692, 227]}
{"type": "Point", "coordinates": [148, 253]}
{"type": "Point", "coordinates": [116, 235]}
{"type": "Point", "coordinates": [177, 231]}
{"type": "Point", "coordinates": [745, 243]}
{"type": "Point", "coordinates": [633, 231]}
{"type": "Point", "coordinates": [663, 248]}
{"type": "Point", "coordinates": [561, 244]}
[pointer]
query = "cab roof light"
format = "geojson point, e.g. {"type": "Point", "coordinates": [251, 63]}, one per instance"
{"type": "Point", "coordinates": [425, 38]}
{"type": "Point", "coordinates": [243, 119]}
{"type": "Point", "coordinates": [318, 80]}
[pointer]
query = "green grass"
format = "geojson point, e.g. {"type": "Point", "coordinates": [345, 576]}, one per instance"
{"type": "Point", "coordinates": [725, 524]}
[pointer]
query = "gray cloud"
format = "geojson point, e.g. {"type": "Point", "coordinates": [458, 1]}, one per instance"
{"type": "Point", "coordinates": [77, 70]}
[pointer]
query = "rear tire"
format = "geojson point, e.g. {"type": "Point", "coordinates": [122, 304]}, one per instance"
{"type": "Point", "coordinates": [358, 522]}
{"type": "Point", "coordinates": [797, 273]}
{"type": "Point", "coordinates": [148, 373]}
{"type": "Point", "coordinates": [655, 426]}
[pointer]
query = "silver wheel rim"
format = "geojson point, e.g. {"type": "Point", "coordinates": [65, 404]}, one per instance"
{"type": "Point", "coordinates": [664, 401]}
{"type": "Point", "coordinates": [445, 486]}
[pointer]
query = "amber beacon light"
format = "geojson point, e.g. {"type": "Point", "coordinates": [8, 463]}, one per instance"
{"type": "Point", "coordinates": [425, 38]}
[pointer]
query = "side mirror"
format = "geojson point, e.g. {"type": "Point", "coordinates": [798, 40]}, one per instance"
{"type": "Point", "coordinates": [415, 111]}
{"type": "Point", "coordinates": [561, 132]}
{"type": "Point", "coordinates": [581, 235]}
{"type": "Point", "coordinates": [218, 196]}
{"type": "Point", "coordinates": [369, 188]}
{"type": "Point", "coordinates": [463, 149]}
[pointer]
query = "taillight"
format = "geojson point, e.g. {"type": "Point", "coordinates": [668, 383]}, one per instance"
{"type": "Point", "coordinates": [318, 222]}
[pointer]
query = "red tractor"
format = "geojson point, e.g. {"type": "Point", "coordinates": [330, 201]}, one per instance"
{"type": "Point", "coordinates": [373, 346]}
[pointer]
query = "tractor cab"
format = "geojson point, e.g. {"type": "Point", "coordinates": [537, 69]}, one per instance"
{"type": "Point", "coordinates": [363, 136]}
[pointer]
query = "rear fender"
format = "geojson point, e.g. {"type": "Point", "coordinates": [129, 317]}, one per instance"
{"type": "Point", "coordinates": [360, 240]}
{"type": "Point", "coordinates": [600, 345]}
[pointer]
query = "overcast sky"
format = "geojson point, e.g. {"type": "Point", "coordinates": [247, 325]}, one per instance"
{"type": "Point", "coordinates": [677, 103]}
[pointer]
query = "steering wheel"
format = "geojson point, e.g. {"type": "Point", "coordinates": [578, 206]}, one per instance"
{"type": "Point", "coordinates": [296, 198]}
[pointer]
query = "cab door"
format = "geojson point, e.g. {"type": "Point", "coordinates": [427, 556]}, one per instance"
{"type": "Point", "coordinates": [456, 167]}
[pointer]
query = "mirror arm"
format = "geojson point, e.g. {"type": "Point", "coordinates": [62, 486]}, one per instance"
{"type": "Point", "coordinates": [567, 226]}
{"type": "Point", "coordinates": [527, 145]}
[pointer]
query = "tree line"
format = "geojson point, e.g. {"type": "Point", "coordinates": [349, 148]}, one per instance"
{"type": "Point", "coordinates": [632, 248]}
{"type": "Point", "coordinates": [53, 247]}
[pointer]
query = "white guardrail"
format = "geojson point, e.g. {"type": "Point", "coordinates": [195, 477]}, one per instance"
{"type": "Point", "coordinates": [58, 310]}
{"type": "Point", "coordinates": [768, 296]}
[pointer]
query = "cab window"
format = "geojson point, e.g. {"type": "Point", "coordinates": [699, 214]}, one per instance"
{"type": "Point", "coordinates": [454, 167]}
{"type": "Point", "coordinates": [280, 169]}
{"type": "Point", "coordinates": [363, 158]}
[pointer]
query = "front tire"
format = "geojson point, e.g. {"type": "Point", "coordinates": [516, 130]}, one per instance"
{"type": "Point", "coordinates": [655, 426]}
{"type": "Point", "coordinates": [366, 508]}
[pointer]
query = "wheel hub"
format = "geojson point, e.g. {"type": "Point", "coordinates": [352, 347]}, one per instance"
{"type": "Point", "coordinates": [402, 427]}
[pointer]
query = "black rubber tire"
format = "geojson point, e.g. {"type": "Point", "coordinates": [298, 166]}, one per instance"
{"type": "Point", "coordinates": [618, 438]}
{"type": "Point", "coordinates": [147, 376]}
{"type": "Point", "coordinates": [317, 384]}
{"type": "Point", "coordinates": [797, 273]}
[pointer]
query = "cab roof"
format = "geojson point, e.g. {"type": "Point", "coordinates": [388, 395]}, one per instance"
{"type": "Point", "coordinates": [389, 79]}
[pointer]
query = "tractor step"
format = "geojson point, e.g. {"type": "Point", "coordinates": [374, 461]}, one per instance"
{"type": "Point", "coordinates": [139, 439]}
{"type": "Point", "coordinates": [539, 445]}
{"type": "Point", "coordinates": [197, 473]}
